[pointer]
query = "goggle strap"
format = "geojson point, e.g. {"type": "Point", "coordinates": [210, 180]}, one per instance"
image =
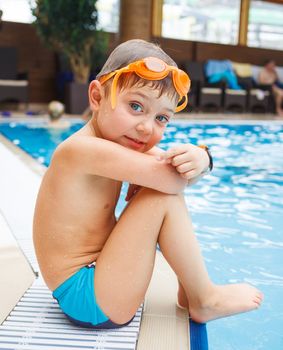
{"type": "Point", "coordinates": [183, 105]}
{"type": "Point", "coordinates": [114, 84]}
{"type": "Point", "coordinates": [114, 89]}
{"type": "Point", "coordinates": [106, 77]}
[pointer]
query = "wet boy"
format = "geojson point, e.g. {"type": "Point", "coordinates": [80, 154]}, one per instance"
{"type": "Point", "coordinates": [98, 266]}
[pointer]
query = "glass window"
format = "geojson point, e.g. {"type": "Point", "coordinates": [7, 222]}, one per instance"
{"type": "Point", "coordinates": [17, 10]}
{"type": "Point", "coordinates": [108, 15]}
{"type": "Point", "coordinates": [265, 25]}
{"type": "Point", "coordinates": [20, 11]}
{"type": "Point", "coordinates": [202, 20]}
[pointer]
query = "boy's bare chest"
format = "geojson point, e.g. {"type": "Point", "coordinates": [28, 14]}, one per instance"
{"type": "Point", "coordinates": [103, 193]}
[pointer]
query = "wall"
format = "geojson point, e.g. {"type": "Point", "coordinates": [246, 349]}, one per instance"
{"type": "Point", "coordinates": [40, 62]}
{"type": "Point", "coordinates": [242, 54]}
{"type": "Point", "coordinates": [33, 58]}
{"type": "Point", "coordinates": [179, 50]}
{"type": "Point", "coordinates": [182, 50]}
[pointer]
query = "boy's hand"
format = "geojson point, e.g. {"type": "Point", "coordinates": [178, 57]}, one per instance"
{"type": "Point", "coordinates": [189, 160]}
{"type": "Point", "coordinates": [132, 190]}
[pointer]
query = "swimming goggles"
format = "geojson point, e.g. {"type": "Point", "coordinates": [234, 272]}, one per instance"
{"type": "Point", "coordinates": [152, 68]}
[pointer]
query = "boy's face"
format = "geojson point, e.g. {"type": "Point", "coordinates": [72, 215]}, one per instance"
{"type": "Point", "coordinates": [138, 120]}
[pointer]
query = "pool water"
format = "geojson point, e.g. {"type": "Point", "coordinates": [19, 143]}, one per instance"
{"type": "Point", "coordinates": [237, 212]}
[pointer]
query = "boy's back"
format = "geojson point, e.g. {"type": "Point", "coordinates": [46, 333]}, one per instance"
{"type": "Point", "coordinates": [74, 215]}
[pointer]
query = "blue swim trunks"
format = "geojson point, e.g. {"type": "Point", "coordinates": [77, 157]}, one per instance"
{"type": "Point", "coordinates": [77, 300]}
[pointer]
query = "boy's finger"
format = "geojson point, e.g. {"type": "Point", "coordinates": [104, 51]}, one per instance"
{"type": "Point", "coordinates": [185, 167]}
{"type": "Point", "coordinates": [133, 189]}
{"type": "Point", "coordinates": [130, 192]}
{"type": "Point", "coordinates": [172, 152]}
{"type": "Point", "coordinates": [189, 174]}
{"type": "Point", "coordinates": [180, 159]}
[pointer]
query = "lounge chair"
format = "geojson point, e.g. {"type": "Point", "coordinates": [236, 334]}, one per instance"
{"type": "Point", "coordinates": [13, 86]}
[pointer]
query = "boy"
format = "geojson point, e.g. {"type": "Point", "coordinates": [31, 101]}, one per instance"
{"type": "Point", "coordinates": [134, 97]}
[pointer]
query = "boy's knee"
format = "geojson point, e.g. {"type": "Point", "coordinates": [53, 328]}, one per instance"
{"type": "Point", "coordinates": [160, 198]}
{"type": "Point", "coordinates": [151, 193]}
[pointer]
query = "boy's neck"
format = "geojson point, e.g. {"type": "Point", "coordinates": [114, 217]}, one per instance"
{"type": "Point", "coordinates": [94, 127]}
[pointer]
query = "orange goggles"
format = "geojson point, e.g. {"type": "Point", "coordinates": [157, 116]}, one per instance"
{"type": "Point", "coordinates": [152, 68]}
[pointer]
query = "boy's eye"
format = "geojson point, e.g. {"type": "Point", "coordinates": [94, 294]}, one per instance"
{"type": "Point", "coordinates": [136, 107]}
{"type": "Point", "coordinates": [162, 118]}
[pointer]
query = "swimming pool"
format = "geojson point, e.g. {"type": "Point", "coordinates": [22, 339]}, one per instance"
{"type": "Point", "coordinates": [237, 214]}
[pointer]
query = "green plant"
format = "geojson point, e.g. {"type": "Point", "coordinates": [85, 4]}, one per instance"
{"type": "Point", "coordinates": [70, 27]}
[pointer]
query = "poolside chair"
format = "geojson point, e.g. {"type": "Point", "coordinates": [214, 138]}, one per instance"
{"type": "Point", "coordinates": [260, 100]}
{"type": "Point", "coordinates": [207, 95]}
{"type": "Point", "coordinates": [13, 86]}
{"type": "Point", "coordinates": [235, 100]}
{"type": "Point", "coordinates": [258, 95]}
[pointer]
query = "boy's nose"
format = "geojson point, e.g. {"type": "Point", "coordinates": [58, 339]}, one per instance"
{"type": "Point", "coordinates": [145, 127]}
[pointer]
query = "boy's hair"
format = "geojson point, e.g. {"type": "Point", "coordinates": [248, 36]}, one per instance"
{"type": "Point", "coordinates": [135, 50]}
{"type": "Point", "coordinates": [267, 61]}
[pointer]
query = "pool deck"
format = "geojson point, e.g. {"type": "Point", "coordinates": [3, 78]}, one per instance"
{"type": "Point", "coordinates": [163, 325]}
{"type": "Point", "coordinates": [19, 180]}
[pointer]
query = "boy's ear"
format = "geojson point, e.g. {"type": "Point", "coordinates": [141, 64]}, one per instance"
{"type": "Point", "coordinates": [95, 93]}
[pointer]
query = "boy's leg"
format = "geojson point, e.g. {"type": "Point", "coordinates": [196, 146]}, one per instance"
{"type": "Point", "coordinates": [182, 297]}
{"type": "Point", "coordinates": [125, 265]}
{"type": "Point", "coordinates": [206, 301]}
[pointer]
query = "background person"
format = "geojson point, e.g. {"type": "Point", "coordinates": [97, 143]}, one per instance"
{"type": "Point", "coordinates": [268, 76]}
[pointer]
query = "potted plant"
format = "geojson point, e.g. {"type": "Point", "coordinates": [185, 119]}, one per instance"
{"type": "Point", "coordinates": [70, 28]}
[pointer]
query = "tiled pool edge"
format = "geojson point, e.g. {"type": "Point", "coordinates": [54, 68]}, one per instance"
{"type": "Point", "coordinates": [19, 183]}
{"type": "Point", "coordinates": [15, 271]}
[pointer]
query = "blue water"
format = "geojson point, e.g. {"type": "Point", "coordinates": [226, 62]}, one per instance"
{"type": "Point", "coordinates": [237, 212]}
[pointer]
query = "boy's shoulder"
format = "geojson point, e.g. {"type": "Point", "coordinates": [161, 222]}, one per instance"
{"type": "Point", "coordinates": [85, 152]}
{"type": "Point", "coordinates": [76, 144]}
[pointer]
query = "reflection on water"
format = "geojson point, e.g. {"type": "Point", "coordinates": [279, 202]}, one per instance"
{"type": "Point", "coordinates": [237, 213]}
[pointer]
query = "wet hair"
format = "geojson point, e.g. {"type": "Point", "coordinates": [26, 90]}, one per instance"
{"type": "Point", "coordinates": [135, 50]}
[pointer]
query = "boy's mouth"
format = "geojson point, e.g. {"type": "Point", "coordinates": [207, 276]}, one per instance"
{"type": "Point", "coordinates": [135, 142]}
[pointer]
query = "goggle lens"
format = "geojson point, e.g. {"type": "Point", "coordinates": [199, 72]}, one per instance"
{"type": "Point", "coordinates": [154, 64]}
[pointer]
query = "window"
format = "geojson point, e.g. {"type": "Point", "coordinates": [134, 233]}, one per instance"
{"type": "Point", "coordinates": [108, 15]}
{"type": "Point", "coordinates": [265, 25]}
{"type": "Point", "coordinates": [202, 20]}
{"type": "Point", "coordinates": [20, 11]}
{"type": "Point", "coordinates": [17, 10]}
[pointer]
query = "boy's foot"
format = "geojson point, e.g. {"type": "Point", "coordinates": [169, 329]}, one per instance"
{"type": "Point", "coordinates": [223, 301]}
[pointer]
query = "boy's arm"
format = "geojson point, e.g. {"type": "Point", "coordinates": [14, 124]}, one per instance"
{"type": "Point", "coordinates": [100, 157]}
{"type": "Point", "coordinates": [155, 151]}
{"type": "Point", "coordinates": [201, 170]}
